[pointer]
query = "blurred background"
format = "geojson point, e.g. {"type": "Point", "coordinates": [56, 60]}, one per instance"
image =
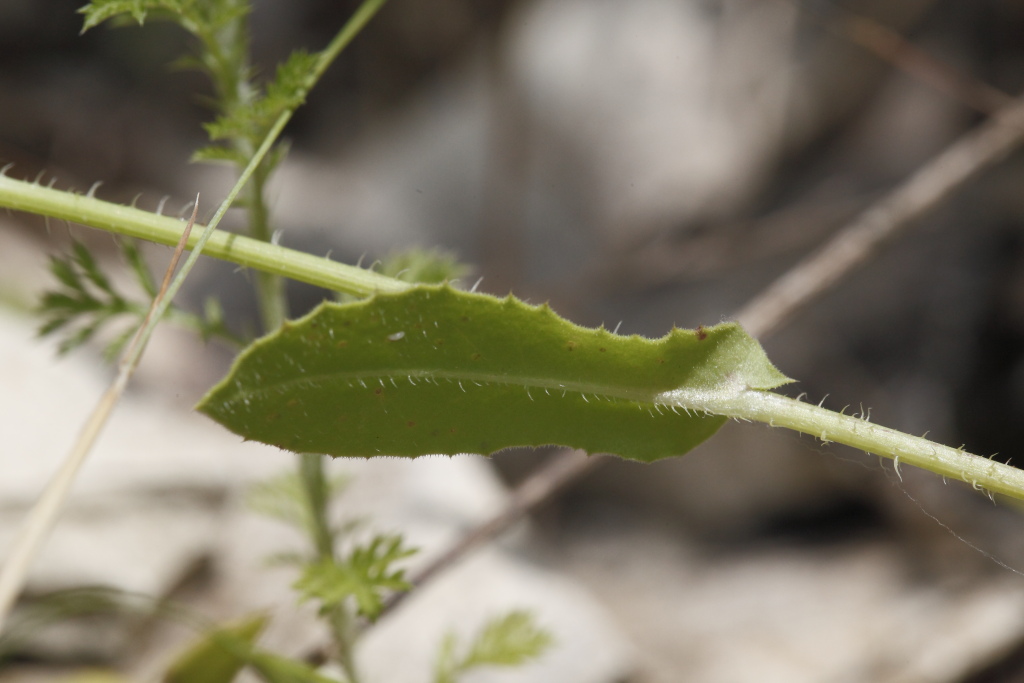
{"type": "Point", "coordinates": [642, 163]}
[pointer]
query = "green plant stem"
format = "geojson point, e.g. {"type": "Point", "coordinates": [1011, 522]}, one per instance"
{"type": "Point", "coordinates": [314, 482]}
{"type": "Point", "coordinates": [263, 256]}
{"type": "Point", "coordinates": [244, 251]}
{"type": "Point", "coordinates": [271, 296]}
{"type": "Point", "coordinates": [781, 411]}
{"type": "Point", "coordinates": [228, 52]}
{"type": "Point", "coordinates": [359, 19]}
{"type": "Point", "coordinates": [344, 634]}
{"type": "Point", "coordinates": [269, 287]}
{"type": "Point", "coordinates": [317, 496]}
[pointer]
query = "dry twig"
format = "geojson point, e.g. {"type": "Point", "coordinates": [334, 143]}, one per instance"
{"type": "Point", "coordinates": [923, 191]}
{"type": "Point", "coordinates": [561, 469]}
{"type": "Point", "coordinates": [44, 513]}
{"type": "Point", "coordinates": [890, 46]}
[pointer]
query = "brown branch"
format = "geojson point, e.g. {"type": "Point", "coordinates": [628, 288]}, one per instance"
{"type": "Point", "coordinates": [890, 46]}
{"type": "Point", "coordinates": [560, 470]}
{"type": "Point", "coordinates": [880, 223]}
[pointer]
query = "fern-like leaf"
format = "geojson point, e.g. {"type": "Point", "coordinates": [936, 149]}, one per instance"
{"type": "Point", "coordinates": [85, 301]}
{"type": "Point", "coordinates": [133, 257]}
{"type": "Point", "coordinates": [98, 11]}
{"type": "Point", "coordinates": [200, 17]}
{"type": "Point", "coordinates": [218, 154]}
{"type": "Point", "coordinates": [363, 576]}
{"type": "Point", "coordinates": [510, 640]}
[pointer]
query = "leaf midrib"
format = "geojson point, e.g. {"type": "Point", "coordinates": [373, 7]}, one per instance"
{"type": "Point", "coordinates": [695, 398]}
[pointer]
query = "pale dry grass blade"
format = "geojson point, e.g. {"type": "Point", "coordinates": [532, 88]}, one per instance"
{"type": "Point", "coordinates": [45, 512]}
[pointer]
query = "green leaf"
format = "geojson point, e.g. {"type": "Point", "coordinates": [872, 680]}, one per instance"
{"type": "Point", "coordinates": [282, 498]}
{"type": "Point", "coordinates": [133, 256]}
{"type": "Point", "coordinates": [86, 298]}
{"type": "Point", "coordinates": [508, 641]}
{"type": "Point", "coordinates": [219, 655]}
{"type": "Point", "coordinates": [84, 258]}
{"type": "Point", "coordinates": [364, 575]}
{"type": "Point", "coordinates": [65, 273]}
{"type": "Point", "coordinates": [222, 653]}
{"type": "Point", "coordinates": [277, 669]}
{"type": "Point", "coordinates": [79, 337]}
{"type": "Point", "coordinates": [435, 370]}
{"type": "Point", "coordinates": [511, 640]}
{"type": "Point", "coordinates": [291, 83]}
{"type": "Point", "coordinates": [424, 266]}
{"type": "Point", "coordinates": [99, 11]}
{"type": "Point", "coordinates": [218, 153]}
{"type": "Point", "coordinates": [206, 15]}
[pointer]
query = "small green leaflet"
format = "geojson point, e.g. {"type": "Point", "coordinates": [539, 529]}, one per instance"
{"type": "Point", "coordinates": [437, 370]}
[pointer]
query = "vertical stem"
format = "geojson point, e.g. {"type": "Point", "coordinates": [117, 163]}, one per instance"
{"type": "Point", "coordinates": [270, 292]}
{"type": "Point", "coordinates": [317, 495]}
{"type": "Point", "coordinates": [343, 632]}
{"type": "Point", "coordinates": [314, 484]}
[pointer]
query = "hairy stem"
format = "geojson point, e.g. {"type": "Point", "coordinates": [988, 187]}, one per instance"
{"type": "Point", "coordinates": [781, 411]}
{"type": "Point", "coordinates": [244, 251]}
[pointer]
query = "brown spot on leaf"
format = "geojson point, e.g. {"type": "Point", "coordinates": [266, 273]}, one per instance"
{"type": "Point", "coordinates": [702, 334]}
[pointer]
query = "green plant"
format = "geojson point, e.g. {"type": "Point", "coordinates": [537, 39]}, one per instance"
{"type": "Point", "coordinates": [504, 641]}
{"type": "Point", "coordinates": [86, 295]}
{"type": "Point", "coordinates": [348, 585]}
{"type": "Point", "coordinates": [413, 370]}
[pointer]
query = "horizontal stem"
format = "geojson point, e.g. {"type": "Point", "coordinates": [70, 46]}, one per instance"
{"type": "Point", "coordinates": [782, 411]}
{"type": "Point", "coordinates": [125, 220]}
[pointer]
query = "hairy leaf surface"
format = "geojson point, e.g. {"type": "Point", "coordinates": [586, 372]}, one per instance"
{"type": "Point", "coordinates": [436, 370]}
